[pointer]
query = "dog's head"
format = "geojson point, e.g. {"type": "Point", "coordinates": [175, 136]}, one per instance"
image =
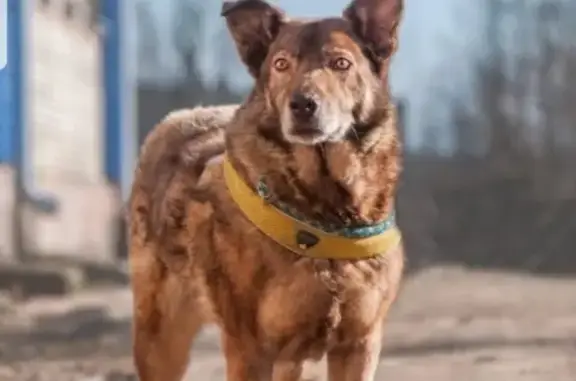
{"type": "Point", "coordinates": [322, 79]}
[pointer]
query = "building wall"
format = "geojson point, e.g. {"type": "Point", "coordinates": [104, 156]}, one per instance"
{"type": "Point", "coordinates": [64, 149]}
{"type": "Point", "coordinates": [64, 119]}
{"type": "Point", "coordinates": [6, 209]}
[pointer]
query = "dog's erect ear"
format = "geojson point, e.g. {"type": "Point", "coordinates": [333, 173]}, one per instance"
{"type": "Point", "coordinates": [254, 24]}
{"type": "Point", "coordinates": [376, 23]}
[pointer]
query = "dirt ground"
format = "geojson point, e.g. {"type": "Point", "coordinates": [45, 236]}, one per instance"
{"type": "Point", "coordinates": [449, 324]}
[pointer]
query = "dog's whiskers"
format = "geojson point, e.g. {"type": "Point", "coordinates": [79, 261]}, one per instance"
{"type": "Point", "coordinates": [355, 132]}
{"type": "Point", "coordinates": [323, 150]}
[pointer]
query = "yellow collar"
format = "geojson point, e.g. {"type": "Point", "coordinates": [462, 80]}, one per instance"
{"type": "Point", "coordinates": [299, 237]}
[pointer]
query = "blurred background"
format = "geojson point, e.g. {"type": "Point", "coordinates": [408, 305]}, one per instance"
{"type": "Point", "coordinates": [487, 93]}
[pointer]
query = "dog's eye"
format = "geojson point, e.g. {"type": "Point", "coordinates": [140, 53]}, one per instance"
{"type": "Point", "coordinates": [281, 64]}
{"type": "Point", "coordinates": [341, 64]}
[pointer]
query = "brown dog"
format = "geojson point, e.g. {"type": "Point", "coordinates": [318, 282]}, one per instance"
{"type": "Point", "coordinates": [314, 147]}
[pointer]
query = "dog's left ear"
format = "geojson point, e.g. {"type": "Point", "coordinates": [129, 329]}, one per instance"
{"type": "Point", "coordinates": [254, 25]}
{"type": "Point", "coordinates": [376, 23]}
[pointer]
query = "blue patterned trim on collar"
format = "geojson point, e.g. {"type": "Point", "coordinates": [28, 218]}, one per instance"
{"type": "Point", "coordinates": [361, 231]}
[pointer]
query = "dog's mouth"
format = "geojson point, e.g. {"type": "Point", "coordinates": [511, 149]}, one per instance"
{"type": "Point", "coordinates": [314, 134]}
{"type": "Point", "coordinates": [308, 129]}
{"type": "Point", "coordinates": [309, 133]}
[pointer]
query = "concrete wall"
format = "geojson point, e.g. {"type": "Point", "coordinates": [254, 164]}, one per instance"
{"type": "Point", "coordinates": [65, 109]}
{"type": "Point", "coordinates": [6, 208]}
{"type": "Point", "coordinates": [64, 140]}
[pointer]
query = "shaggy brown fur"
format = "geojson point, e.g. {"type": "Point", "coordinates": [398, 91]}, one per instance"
{"type": "Point", "coordinates": [320, 130]}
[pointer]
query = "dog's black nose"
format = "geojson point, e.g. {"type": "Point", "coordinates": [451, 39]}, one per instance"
{"type": "Point", "coordinates": [302, 107]}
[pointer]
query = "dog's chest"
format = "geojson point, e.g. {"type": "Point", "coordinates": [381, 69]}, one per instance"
{"type": "Point", "coordinates": [323, 307]}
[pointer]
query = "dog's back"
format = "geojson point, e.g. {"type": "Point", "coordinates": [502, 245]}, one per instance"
{"type": "Point", "coordinates": [173, 156]}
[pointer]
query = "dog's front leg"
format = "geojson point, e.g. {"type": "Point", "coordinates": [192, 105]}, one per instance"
{"type": "Point", "coordinates": [355, 362]}
{"type": "Point", "coordinates": [243, 364]}
{"type": "Point", "coordinates": [287, 371]}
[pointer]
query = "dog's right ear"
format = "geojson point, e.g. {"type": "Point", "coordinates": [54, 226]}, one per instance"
{"type": "Point", "coordinates": [254, 24]}
{"type": "Point", "coordinates": [376, 23]}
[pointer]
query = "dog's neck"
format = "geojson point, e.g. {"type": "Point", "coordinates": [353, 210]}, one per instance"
{"type": "Point", "coordinates": [339, 184]}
